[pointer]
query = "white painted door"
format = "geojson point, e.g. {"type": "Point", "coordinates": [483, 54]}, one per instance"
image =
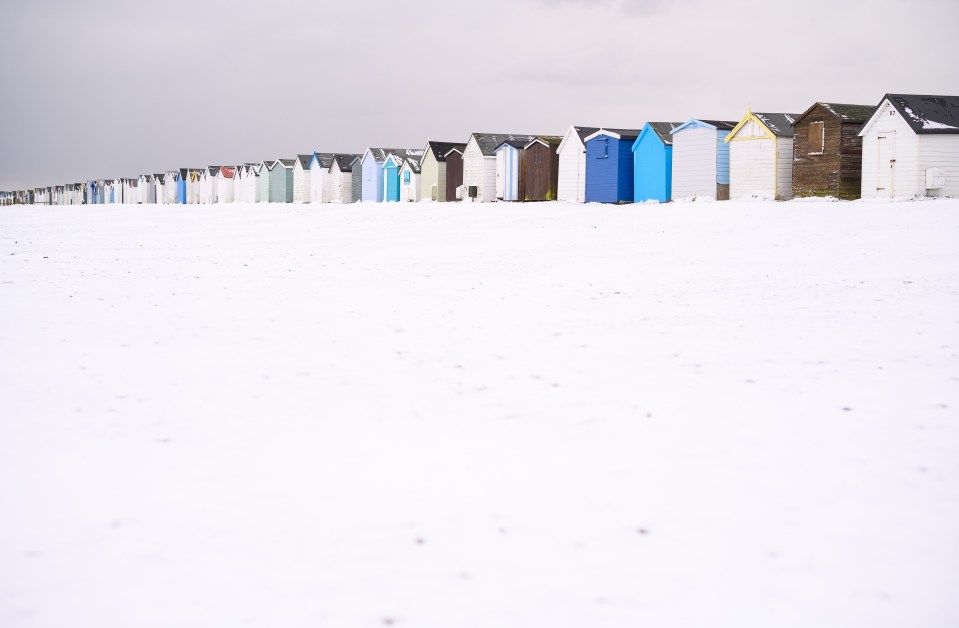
{"type": "Point", "coordinates": [886, 158]}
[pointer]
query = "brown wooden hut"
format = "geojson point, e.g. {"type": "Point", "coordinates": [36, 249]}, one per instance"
{"type": "Point", "coordinates": [539, 169]}
{"type": "Point", "coordinates": [454, 173]}
{"type": "Point", "coordinates": [827, 150]}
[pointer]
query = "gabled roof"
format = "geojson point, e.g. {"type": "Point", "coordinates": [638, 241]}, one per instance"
{"type": "Point", "coordinates": [442, 149]}
{"type": "Point", "coordinates": [620, 134]}
{"type": "Point", "coordinates": [847, 113]}
{"type": "Point", "coordinates": [324, 159]}
{"type": "Point", "coordinates": [489, 142]}
{"type": "Point", "coordinates": [413, 164]}
{"type": "Point", "coordinates": [345, 161]}
{"type": "Point", "coordinates": [517, 144]}
{"type": "Point", "coordinates": [379, 154]}
{"type": "Point", "coordinates": [663, 130]}
{"type": "Point", "coordinates": [927, 114]}
{"type": "Point", "coordinates": [550, 141]}
{"type": "Point", "coordinates": [781, 124]}
{"type": "Point", "coordinates": [305, 160]}
{"type": "Point", "coordinates": [581, 132]}
{"type": "Point", "coordinates": [227, 172]}
{"type": "Point", "coordinates": [719, 125]}
{"type": "Point", "coordinates": [286, 163]}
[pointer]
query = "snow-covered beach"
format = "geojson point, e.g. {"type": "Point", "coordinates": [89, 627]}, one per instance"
{"type": "Point", "coordinates": [436, 415]}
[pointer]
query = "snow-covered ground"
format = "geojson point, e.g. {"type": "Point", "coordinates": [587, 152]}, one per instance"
{"type": "Point", "coordinates": [438, 416]}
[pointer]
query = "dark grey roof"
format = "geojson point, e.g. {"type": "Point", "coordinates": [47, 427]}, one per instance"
{"type": "Point", "coordinates": [552, 141]}
{"type": "Point", "coordinates": [489, 142]}
{"type": "Point", "coordinates": [585, 131]}
{"type": "Point", "coordinates": [345, 161]}
{"type": "Point", "coordinates": [663, 129]}
{"type": "Point", "coordinates": [379, 154]}
{"type": "Point", "coordinates": [847, 113]}
{"type": "Point", "coordinates": [214, 170]}
{"type": "Point", "coordinates": [305, 160]}
{"type": "Point", "coordinates": [325, 159]}
{"type": "Point", "coordinates": [413, 163]}
{"type": "Point", "coordinates": [928, 114]}
{"type": "Point", "coordinates": [442, 149]}
{"type": "Point", "coordinates": [781, 124]}
{"type": "Point", "coordinates": [519, 144]}
{"type": "Point", "coordinates": [287, 163]}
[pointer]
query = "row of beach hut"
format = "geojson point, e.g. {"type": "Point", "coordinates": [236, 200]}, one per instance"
{"type": "Point", "coordinates": [907, 146]}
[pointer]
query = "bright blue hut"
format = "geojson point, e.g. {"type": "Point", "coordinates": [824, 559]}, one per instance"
{"type": "Point", "coordinates": [653, 162]}
{"type": "Point", "coordinates": [609, 166]}
{"type": "Point", "coordinates": [391, 178]}
{"type": "Point", "coordinates": [181, 186]}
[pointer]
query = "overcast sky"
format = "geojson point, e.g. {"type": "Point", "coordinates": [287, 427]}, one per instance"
{"type": "Point", "coordinates": [107, 88]}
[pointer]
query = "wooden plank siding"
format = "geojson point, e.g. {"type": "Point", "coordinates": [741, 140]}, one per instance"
{"type": "Point", "coordinates": [830, 164]}
{"type": "Point", "coordinates": [539, 172]}
{"type": "Point", "coordinates": [454, 174]}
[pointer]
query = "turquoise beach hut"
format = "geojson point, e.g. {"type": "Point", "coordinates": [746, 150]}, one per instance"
{"type": "Point", "coordinates": [391, 178]}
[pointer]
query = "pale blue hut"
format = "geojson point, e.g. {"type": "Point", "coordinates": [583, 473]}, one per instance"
{"type": "Point", "coordinates": [701, 159]}
{"type": "Point", "coordinates": [281, 181]}
{"type": "Point", "coordinates": [372, 170]}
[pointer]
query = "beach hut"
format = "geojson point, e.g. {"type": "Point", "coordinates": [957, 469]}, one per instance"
{"type": "Point", "coordinates": [320, 184]}
{"type": "Point", "coordinates": [507, 169]}
{"type": "Point", "coordinates": [827, 150]}
{"type": "Point", "coordinates": [701, 159]}
{"type": "Point", "coordinates": [281, 181]}
{"type": "Point", "coordinates": [263, 181]}
{"type": "Point", "coordinates": [571, 186]}
{"type": "Point", "coordinates": [609, 165]}
{"type": "Point", "coordinates": [391, 178]}
{"type": "Point", "coordinates": [146, 189]}
{"type": "Point", "coordinates": [761, 156]}
{"type": "Point", "coordinates": [410, 173]}
{"type": "Point", "coordinates": [246, 182]}
{"type": "Point", "coordinates": [910, 147]}
{"type": "Point", "coordinates": [539, 169]}
{"type": "Point", "coordinates": [653, 162]}
{"type": "Point", "coordinates": [372, 169]}
{"type": "Point", "coordinates": [225, 180]}
{"type": "Point", "coordinates": [433, 170]}
{"type": "Point", "coordinates": [454, 173]}
{"type": "Point", "coordinates": [207, 191]}
{"type": "Point", "coordinates": [302, 191]}
{"type": "Point", "coordinates": [480, 164]}
{"type": "Point", "coordinates": [358, 180]}
{"type": "Point", "coordinates": [341, 177]}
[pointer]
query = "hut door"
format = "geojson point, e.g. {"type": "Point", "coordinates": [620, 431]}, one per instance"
{"type": "Point", "coordinates": [886, 152]}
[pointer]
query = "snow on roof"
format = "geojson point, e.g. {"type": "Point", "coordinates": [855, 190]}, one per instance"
{"type": "Point", "coordinates": [928, 114]}
{"type": "Point", "coordinates": [663, 129]}
{"type": "Point", "coordinates": [345, 161]}
{"type": "Point", "coordinates": [489, 142]}
{"type": "Point", "coordinates": [848, 113]}
{"type": "Point", "coordinates": [442, 149]}
{"type": "Point", "coordinates": [781, 124]}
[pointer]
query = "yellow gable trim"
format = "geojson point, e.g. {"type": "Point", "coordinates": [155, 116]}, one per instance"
{"type": "Point", "coordinates": [731, 137]}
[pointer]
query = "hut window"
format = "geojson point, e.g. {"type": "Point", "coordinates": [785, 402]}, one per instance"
{"type": "Point", "coordinates": [817, 138]}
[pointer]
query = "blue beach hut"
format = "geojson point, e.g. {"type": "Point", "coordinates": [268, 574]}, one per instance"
{"type": "Point", "coordinates": [391, 178]}
{"type": "Point", "coordinates": [653, 162]}
{"type": "Point", "coordinates": [609, 166]}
